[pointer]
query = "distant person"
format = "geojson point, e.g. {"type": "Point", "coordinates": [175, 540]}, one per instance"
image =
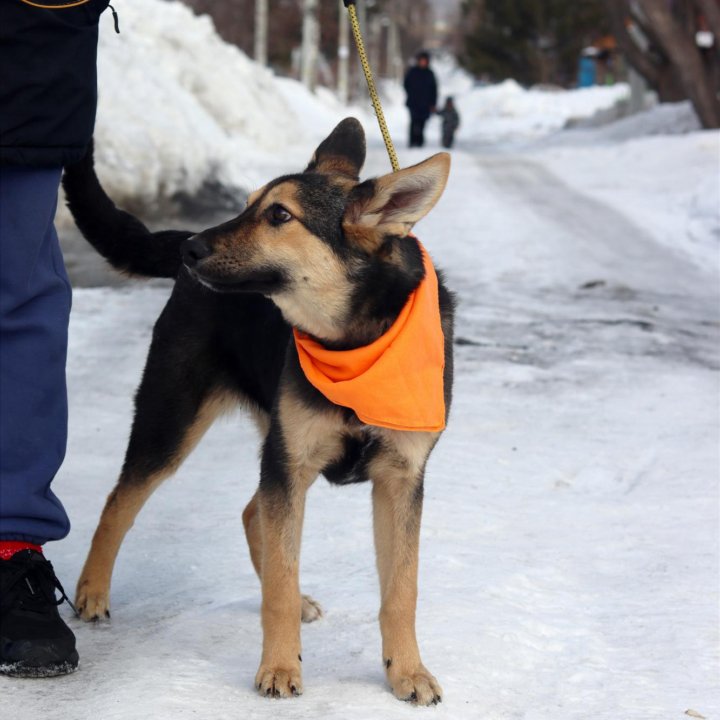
{"type": "Point", "coordinates": [587, 69]}
{"type": "Point", "coordinates": [421, 88]}
{"type": "Point", "coordinates": [450, 122]}
{"type": "Point", "coordinates": [48, 96]}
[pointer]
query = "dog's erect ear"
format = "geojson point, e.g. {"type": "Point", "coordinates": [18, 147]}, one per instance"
{"type": "Point", "coordinates": [392, 204]}
{"type": "Point", "coordinates": [342, 152]}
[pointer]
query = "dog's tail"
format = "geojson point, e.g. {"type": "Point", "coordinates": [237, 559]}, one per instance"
{"type": "Point", "coordinates": [117, 235]}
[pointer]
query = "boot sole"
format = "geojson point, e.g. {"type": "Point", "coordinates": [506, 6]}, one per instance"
{"type": "Point", "coordinates": [22, 670]}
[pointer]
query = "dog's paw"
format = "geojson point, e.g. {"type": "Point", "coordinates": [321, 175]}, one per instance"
{"type": "Point", "coordinates": [311, 609]}
{"type": "Point", "coordinates": [418, 687]}
{"type": "Point", "coordinates": [279, 682]}
{"type": "Point", "coordinates": [92, 604]}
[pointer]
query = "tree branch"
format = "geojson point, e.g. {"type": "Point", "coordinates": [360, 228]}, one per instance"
{"type": "Point", "coordinates": [685, 58]}
{"type": "Point", "coordinates": [619, 13]}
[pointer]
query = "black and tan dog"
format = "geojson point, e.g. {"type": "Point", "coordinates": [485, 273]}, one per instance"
{"type": "Point", "coordinates": [328, 255]}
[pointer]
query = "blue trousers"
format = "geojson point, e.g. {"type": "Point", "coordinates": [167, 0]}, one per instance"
{"type": "Point", "coordinates": [35, 298]}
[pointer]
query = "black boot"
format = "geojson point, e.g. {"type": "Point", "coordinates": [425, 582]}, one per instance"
{"type": "Point", "coordinates": [34, 639]}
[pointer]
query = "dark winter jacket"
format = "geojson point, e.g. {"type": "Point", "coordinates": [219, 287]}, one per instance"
{"type": "Point", "coordinates": [450, 118]}
{"type": "Point", "coordinates": [421, 89]}
{"type": "Point", "coordinates": [48, 80]}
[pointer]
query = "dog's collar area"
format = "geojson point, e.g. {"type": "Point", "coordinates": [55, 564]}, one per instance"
{"type": "Point", "coordinates": [396, 381]}
{"type": "Point", "coordinates": [348, 342]}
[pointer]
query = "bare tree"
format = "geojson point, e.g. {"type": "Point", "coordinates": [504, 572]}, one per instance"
{"type": "Point", "coordinates": [278, 26]}
{"type": "Point", "coordinates": [343, 53]}
{"type": "Point", "coordinates": [394, 57]}
{"type": "Point", "coordinates": [310, 44]}
{"type": "Point", "coordinates": [658, 40]}
{"type": "Point", "coordinates": [261, 28]}
{"type": "Point", "coordinates": [413, 20]}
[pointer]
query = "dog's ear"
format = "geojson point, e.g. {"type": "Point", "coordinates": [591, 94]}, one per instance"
{"type": "Point", "coordinates": [342, 152]}
{"type": "Point", "coordinates": [392, 204]}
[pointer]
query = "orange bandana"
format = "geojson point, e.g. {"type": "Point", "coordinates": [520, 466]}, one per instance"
{"type": "Point", "coordinates": [397, 381]}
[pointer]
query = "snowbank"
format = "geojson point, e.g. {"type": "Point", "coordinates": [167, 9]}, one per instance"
{"type": "Point", "coordinates": [177, 104]}
{"type": "Point", "coordinates": [509, 109]}
{"type": "Point", "coordinates": [667, 184]}
{"type": "Point", "coordinates": [179, 107]}
{"type": "Point", "coordinates": [664, 119]}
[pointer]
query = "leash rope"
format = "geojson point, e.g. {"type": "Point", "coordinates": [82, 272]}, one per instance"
{"type": "Point", "coordinates": [374, 97]}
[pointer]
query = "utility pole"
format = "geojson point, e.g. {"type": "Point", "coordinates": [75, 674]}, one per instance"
{"type": "Point", "coordinates": [310, 44]}
{"type": "Point", "coordinates": [343, 68]}
{"type": "Point", "coordinates": [261, 28]}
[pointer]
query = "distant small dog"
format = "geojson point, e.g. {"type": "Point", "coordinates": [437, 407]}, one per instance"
{"type": "Point", "coordinates": [316, 260]}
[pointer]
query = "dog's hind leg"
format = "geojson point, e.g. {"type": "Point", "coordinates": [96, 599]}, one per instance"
{"type": "Point", "coordinates": [135, 485]}
{"type": "Point", "coordinates": [176, 403]}
{"type": "Point", "coordinates": [397, 474]}
{"type": "Point", "coordinates": [311, 609]}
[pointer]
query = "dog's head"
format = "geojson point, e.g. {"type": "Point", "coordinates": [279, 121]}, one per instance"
{"type": "Point", "coordinates": [326, 248]}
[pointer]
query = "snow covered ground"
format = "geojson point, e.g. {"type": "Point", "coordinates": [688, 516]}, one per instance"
{"type": "Point", "coordinates": [569, 554]}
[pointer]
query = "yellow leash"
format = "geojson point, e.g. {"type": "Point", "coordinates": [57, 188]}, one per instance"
{"type": "Point", "coordinates": [374, 97]}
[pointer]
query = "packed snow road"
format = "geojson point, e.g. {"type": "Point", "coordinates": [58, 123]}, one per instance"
{"type": "Point", "coordinates": [581, 276]}
{"type": "Point", "coordinates": [569, 543]}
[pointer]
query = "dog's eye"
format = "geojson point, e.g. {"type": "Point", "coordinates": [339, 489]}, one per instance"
{"type": "Point", "coordinates": [277, 214]}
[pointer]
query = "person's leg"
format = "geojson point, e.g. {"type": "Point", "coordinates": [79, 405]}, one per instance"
{"type": "Point", "coordinates": [421, 130]}
{"type": "Point", "coordinates": [416, 124]}
{"type": "Point", "coordinates": [35, 301]}
{"type": "Point", "coordinates": [34, 311]}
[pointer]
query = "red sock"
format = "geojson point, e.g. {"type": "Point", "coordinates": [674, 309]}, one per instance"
{"type": "Point", "coordinates": [9, 547]}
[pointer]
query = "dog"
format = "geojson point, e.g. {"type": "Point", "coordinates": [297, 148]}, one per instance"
{"type": "Point", "coordinates": [316, 256]}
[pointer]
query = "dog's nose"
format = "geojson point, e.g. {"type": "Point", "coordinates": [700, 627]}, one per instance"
{"type": "Point", "coordinates": [195, 249]}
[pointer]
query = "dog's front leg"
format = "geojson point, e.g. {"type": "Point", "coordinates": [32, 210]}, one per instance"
{"type": "Point", "coordinates": [397, 511]}
{"type": "Point", "coordinates": [281, 512]}
{"type": "Point", "coordinates": [293, 456]}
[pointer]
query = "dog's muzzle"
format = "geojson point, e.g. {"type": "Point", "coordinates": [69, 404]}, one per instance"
{"type": "Point", "coordinates": [194, 250]}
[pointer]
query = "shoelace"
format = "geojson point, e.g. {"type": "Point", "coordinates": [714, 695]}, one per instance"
{"type": "Point", "coordinates": [21, 583]}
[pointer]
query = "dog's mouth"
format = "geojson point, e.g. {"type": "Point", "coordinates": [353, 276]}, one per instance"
{"type": "Point", "coordinates": [264, 281]}
{"type": "Point", "coordinates": [203, 264]}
